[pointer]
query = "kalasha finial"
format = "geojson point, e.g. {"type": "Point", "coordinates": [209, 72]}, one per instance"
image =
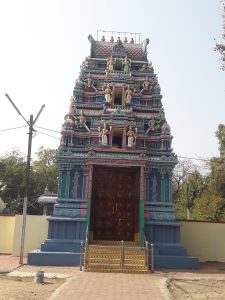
{"type": "Point", "coordinates": [111, 39]}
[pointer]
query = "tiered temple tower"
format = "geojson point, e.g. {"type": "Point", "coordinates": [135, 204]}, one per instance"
{"type": "Point", "coordinates": [115, 160]}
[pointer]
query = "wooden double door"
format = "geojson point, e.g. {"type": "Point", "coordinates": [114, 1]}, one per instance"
{"type": "Point", "coordinates": [114, 203]}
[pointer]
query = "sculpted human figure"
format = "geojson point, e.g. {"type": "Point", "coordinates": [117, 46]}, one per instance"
{"type": "Point", "coordinates": [108, 93]}
{"type": "Point", "coordinates": [146, 84]}
{"type": "Point", "coordinates": [128, 95]}
{"type": "Point", "coordinates": [110, 63]}
{"type": "Point", "coordinates": [131, 137]}
{"type": "Point", "coordinates": [126, 64]}
{"type": "Point", "coordinates": [103, 135]}
{"type": "Point", "coordinates": [90, 83]}
{"type": "Point", "coordinates": [82, 121]}
{"type": "Point", "coordinates": [152, 126]}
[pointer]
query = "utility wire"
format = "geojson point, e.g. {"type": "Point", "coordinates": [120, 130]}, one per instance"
{"type": "Point", "coordinates": [47, 129]}
{"type": "Point", "coordinates": [13, 128]}
{"type": "Point", "coordinates": [48, 135]}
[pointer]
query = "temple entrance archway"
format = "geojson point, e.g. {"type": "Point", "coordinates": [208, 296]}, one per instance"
{"type": "Point", "coordinates": [115, 203]}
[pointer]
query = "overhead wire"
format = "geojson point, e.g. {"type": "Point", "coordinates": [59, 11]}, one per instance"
{"type": "Point", "coordinates": [47, 134]}
{"type": "Point", "coordinates": [7, 129]}
{"type": "Point", "coordinates": [47, 129]}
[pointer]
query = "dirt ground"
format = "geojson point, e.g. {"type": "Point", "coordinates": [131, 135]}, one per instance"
{"type": "Point", "coordinates": [193, 289]}
{"type": "Point", "coordinates": [17, 288]}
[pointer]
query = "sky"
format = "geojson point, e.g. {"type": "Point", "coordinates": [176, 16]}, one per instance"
{"type": "Point", "coordinates": [43, 43]}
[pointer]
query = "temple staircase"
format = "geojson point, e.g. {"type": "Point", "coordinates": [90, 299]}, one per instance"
{"type": "Point", "coordinates": [115, 256]}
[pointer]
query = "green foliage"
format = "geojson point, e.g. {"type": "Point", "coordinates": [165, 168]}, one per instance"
{"type": "Point", "coordinates": [191, 188]}
{"type": "Point", "coordinates": [220, 47]}
{"type": "Point", "coordinates": [202, 197]}
{"type": "Point", "coordinates": [220, 134]}
{"type": "Point", "coordinates": [12, 176]}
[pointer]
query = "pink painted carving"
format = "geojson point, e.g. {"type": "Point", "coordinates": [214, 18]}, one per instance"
{"type": "Point", "coordinates": [153, 188]}
{"type": "Point", "coordinates": [75, 185]}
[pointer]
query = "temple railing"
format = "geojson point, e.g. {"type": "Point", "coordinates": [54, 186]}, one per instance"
{"type": "Point", "coordinates": [149, 256]}
{"type": "Point", "coordinates": [84, 251]}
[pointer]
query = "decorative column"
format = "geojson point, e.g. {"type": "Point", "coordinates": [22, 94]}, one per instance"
{"type": "Point", "coordinates": [68, 171]}
{"type": "Point", "coordinates": [62, 184]}
{"type": "Point", "coordinates": [85, 191]}
{"type": "Point", "coordinates": [110, 136]}
{"type": "Point", "coordinates": [162, 173]}
{"type": "Point", "coordinates": [170, 192]}
{"type": "Point", "coordinates": [89, 190]}
{"type": "Point", "coordinates": [142, 208]}
{"type": "Point", "coordinates": [124, 138]}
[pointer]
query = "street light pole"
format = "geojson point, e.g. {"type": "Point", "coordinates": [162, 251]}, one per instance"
{"type": "Point", "coordinates": [26, 188]}
{"type": "Point", "coordinates": [30, 123]}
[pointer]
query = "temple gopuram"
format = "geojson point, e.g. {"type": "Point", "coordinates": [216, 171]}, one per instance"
{"type": "Point", "coordinates": [115, 163]}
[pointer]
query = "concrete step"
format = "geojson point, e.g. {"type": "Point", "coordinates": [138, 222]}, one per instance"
{"type": "Point", "coordinates": [175, 262]}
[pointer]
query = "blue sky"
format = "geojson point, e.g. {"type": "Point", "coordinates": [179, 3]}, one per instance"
{"type": "Point", "coordinates": [44, 42]}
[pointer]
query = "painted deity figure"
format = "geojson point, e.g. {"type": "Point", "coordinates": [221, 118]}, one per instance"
{"type": "Point", "coordinates": [131, 140]}
{"type": "Point", "coordinates": [150, 67]}
{"type": "Point", "coordinates": [126, 64]}
{"type": "Point", "coordinates": [90, 83]}
{"type": "Point", "coordinates": [110, 63]}
{"type": "Point", "coordinates": [146, 84]}
{"type": "Point", "coordinates": [128, 95]}
{"type": "Point", "coordinates": [154, 125]}
{"type": "Point", "coordinates": [108, 93]}
{"type": "Point", "coordinates": [151, 126]}
{"type": "Point", "coordinates": [82, 121]}
{"type": "Point", "coordinates": [103, 135]}
{"type": "Point", "coordinates": [72, 106]}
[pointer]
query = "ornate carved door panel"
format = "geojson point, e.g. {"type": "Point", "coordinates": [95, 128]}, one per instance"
{"type": "Point", "coordinates": [114, 203]}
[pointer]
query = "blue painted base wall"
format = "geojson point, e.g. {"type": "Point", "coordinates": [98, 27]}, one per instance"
{"type": "Point", "coordinates": [168, 251]}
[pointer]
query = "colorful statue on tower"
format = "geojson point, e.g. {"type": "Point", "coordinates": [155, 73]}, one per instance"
{"type": "Point", "coordinates": [126, 64]}
{"type": "Point", "coordinates": [108, 93]}
{"type": "Point", "coordinates": [81, 121]}
{"type": "Point", "coordinates": [129, 95]}
{"type": "Point", "coordinates": [110, 63]}
{"type": "Point", "coordinates": [103, 133]}
{"type": "Point", "coordinates": [131, 140]}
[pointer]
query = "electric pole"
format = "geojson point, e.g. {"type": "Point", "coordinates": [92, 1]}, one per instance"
{"type": "Point", "coordinates": [30, 123]}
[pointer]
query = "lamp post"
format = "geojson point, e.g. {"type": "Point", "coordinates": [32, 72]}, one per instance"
{"type": "Point", "coordinates": [30, 123]}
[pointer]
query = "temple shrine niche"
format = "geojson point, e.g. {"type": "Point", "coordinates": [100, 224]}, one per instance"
{"type": "Point", "coordinates": [115, 161]}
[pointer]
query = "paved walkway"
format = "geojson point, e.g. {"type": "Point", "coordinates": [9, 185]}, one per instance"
{"type": "Point", "coordinates": [113, 286]}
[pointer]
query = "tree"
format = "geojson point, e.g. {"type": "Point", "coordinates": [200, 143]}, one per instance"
{"type": "Point", "coordinates": [12, 175]}
{"type": "Point", "coordinates": [12, 170]}
{"type": "Point", "coordinates": [220, 134]}
{"type": "Point", "coordinates": [220, 47]}
{"type": "Point", "coordinates": [182, 169]}
{"type": "Point", "coordinates": [202, 197]}
{"type": "Point", "coordinates": [191, 188]}
{"type": "Point", "coordinates": [44, 171]}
